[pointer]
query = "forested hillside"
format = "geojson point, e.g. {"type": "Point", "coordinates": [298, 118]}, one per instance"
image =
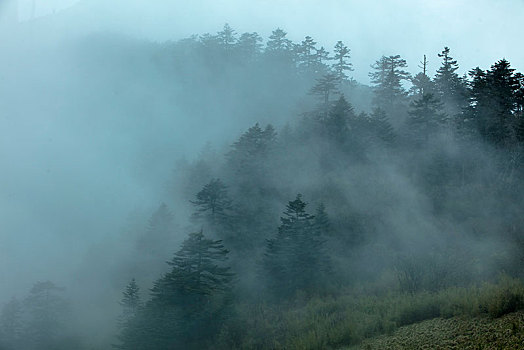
{"type": "Point", "coordinates": [340, 212]}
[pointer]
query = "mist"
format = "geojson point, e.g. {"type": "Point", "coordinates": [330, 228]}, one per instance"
{"type": "Point", "coordinates": [119, 120]}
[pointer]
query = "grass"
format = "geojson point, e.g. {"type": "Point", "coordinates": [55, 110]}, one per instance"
{"type": "Point", "coordinates": [352, 317]}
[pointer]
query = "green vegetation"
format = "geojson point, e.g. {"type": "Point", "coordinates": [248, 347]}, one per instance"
{"type": "Point", "coordinates": [331, 322]}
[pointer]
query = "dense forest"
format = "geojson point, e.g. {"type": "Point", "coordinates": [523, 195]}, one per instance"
{"type": "Point", "coordinates": [343, 211]}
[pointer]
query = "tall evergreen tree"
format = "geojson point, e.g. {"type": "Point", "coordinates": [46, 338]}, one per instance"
{"type": "Point", "coordinates": [295, 259]}
{"type": "Point", "coordinates": [212, 204]}
{"type": "Point", "coordinates": [341, 63]}
{"type": "Point", "coordinates": [422, 84]}
{"type": "Point", "coordinates": [131, 330]}
{"type": "Point", "coordinates": [387, 79]}
{"type": "Point", "coordinates": [189, 303]}
{"type": "Point", "coordinates": [494, 102]}
{"type": "Point", "coordinates": [307, 55]}
{"type": "Point", "coordinates": [249, 47]}
{"type": "Point", "coordinates": [426, 116]}
{"type": "Point", "coordinates": [227, 37]}
{"type": "Point", "coordinates": [450, 87]}
{"type": "Point", "coordinates": [278, 42]}
{"type": "Point", "coordinates": [324, 89]}
{"type": "Point", "coordinates": [382, 127]}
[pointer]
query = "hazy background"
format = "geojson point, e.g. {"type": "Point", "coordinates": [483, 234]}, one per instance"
{"type": "Point", "coordinates": [411, 28]}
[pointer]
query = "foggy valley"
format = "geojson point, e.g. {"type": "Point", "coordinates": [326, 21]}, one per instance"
{"type": "Point", "coordinates": [261, 175]}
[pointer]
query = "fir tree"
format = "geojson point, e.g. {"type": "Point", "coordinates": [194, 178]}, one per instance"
{"type": "Point", "coordinates": [387, 79]}
{"type": "Point", "coordinates": [341, 58]}
{"type": "Point", "coordinates": [249, 47]}
{"type": "Point", "coordinates": [324, 89]}
{"type": "Point", "coordinates": [131, 331]}
{"type": "Point", "coordinates": [295, 259]}
{"type": "Point", "coordinates": [425, 117]}
{"type": "Point", "coordinates": [307, 55]}
{"type": "Point", "coordinates": [212, 204]}
{"type": "Point", "coordinates": [450, 88]}
{"type": "Point", "coordinates": [188, 303]}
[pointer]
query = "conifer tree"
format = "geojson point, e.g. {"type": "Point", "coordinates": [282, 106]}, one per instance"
{"type": "Point", "coordinates": [189, 303]}
{"type": "Point", "coordinates": [278, 42]}
{"type": "Point", "coordinates": [131, 331]}
{"type": "Point", "coordinates": [449, 86]}
{"type": "Point", "coordinates": [495, 105]}
{"type": "Point", "coordinates": [341, 63]}
{"type": "Point", "coordinates": [324, 89]}
{"type": "Point", "coordinates": [382, 127]}
{"type": "Point", "coordinates": [337, 122]}
{"type": "Point", "coordinates": [212, 204]}
{"type": "Point", "coordinates": [387, 79]}
{"type": "Point", "coordinates": [426, 117]}
{"type": "Point", "coordinates": [307, 55]}
{"type": "Point", "coordinates": [227, 37]}
{"type": "Point", "coordinates": [249, 47]}
{"type": "Point", "coordinates": [295, 259]}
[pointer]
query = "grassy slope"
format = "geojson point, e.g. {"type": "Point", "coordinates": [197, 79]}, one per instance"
{"type": "Point", "coordinates": [506, 332]}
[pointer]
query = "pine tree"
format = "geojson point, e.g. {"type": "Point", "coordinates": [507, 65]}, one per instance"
{"type": "Point", "coordinates": [337, 122]}
{"type": "Point", "coordinates": [294, 259]}
{"type": "Point", "coordinates": [425, 117]}
{"type": "Point", "coordinates": [341, 58]}
{"type": "Point", "coordinates": [131, 302]}
{"type": "Point", "coordinates": [251, 149]}
{"type": "Point", "coordinates": [227, 37]}
{"type": "Point", "coordinates": [494, 102]}
{"type": "Point", "coordinates": [278, 43]}
{"type": "Point", "coordinates": [422, 84]}
{"type": "Point", "coordinates": [307, 55]}
{"type": "Point", "coordinates": [450, 88]}
{"type": "Point", "coordinates": [131, 331]}
{"type": "Point", "coordinates": [324, 89]}
{"type": "Point", "coordinates": [382, 127]}
{"type": "Point", "coordinates": [387, 79]}
{"type": "Point", "coordinates": [189, 303]}
{"type": "Point", "coordinates": [249, 47]}
{"type": "Point", "coordinates": [212, 204]}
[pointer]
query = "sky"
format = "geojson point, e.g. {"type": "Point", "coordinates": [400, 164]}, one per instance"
{"type": "Point", "coordinates": [478, 32]}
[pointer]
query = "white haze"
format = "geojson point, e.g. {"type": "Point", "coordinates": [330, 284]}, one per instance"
{"type": "Point", "coordinates": [472, 29]}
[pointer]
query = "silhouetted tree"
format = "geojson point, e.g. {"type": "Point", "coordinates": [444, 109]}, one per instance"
{"type": "Point", "coordinates": [131, 332]}
{"type": "Point", "coordinates": [295, 259]}
{"type": "Point", "coordinates": [324, 89]}
{"type": "Point", "coordinates": [425, 117]}
{"type": "Point", "coordinates": [341, 57]}
{"type": "Point", "coordinates": [449, 87]}
{"type": "Point", "coordinates": [188, 304]}
{"type": "Point", "coordinates": [212, 204]}
{"type": "Point", "coordinates": [387, 79]}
